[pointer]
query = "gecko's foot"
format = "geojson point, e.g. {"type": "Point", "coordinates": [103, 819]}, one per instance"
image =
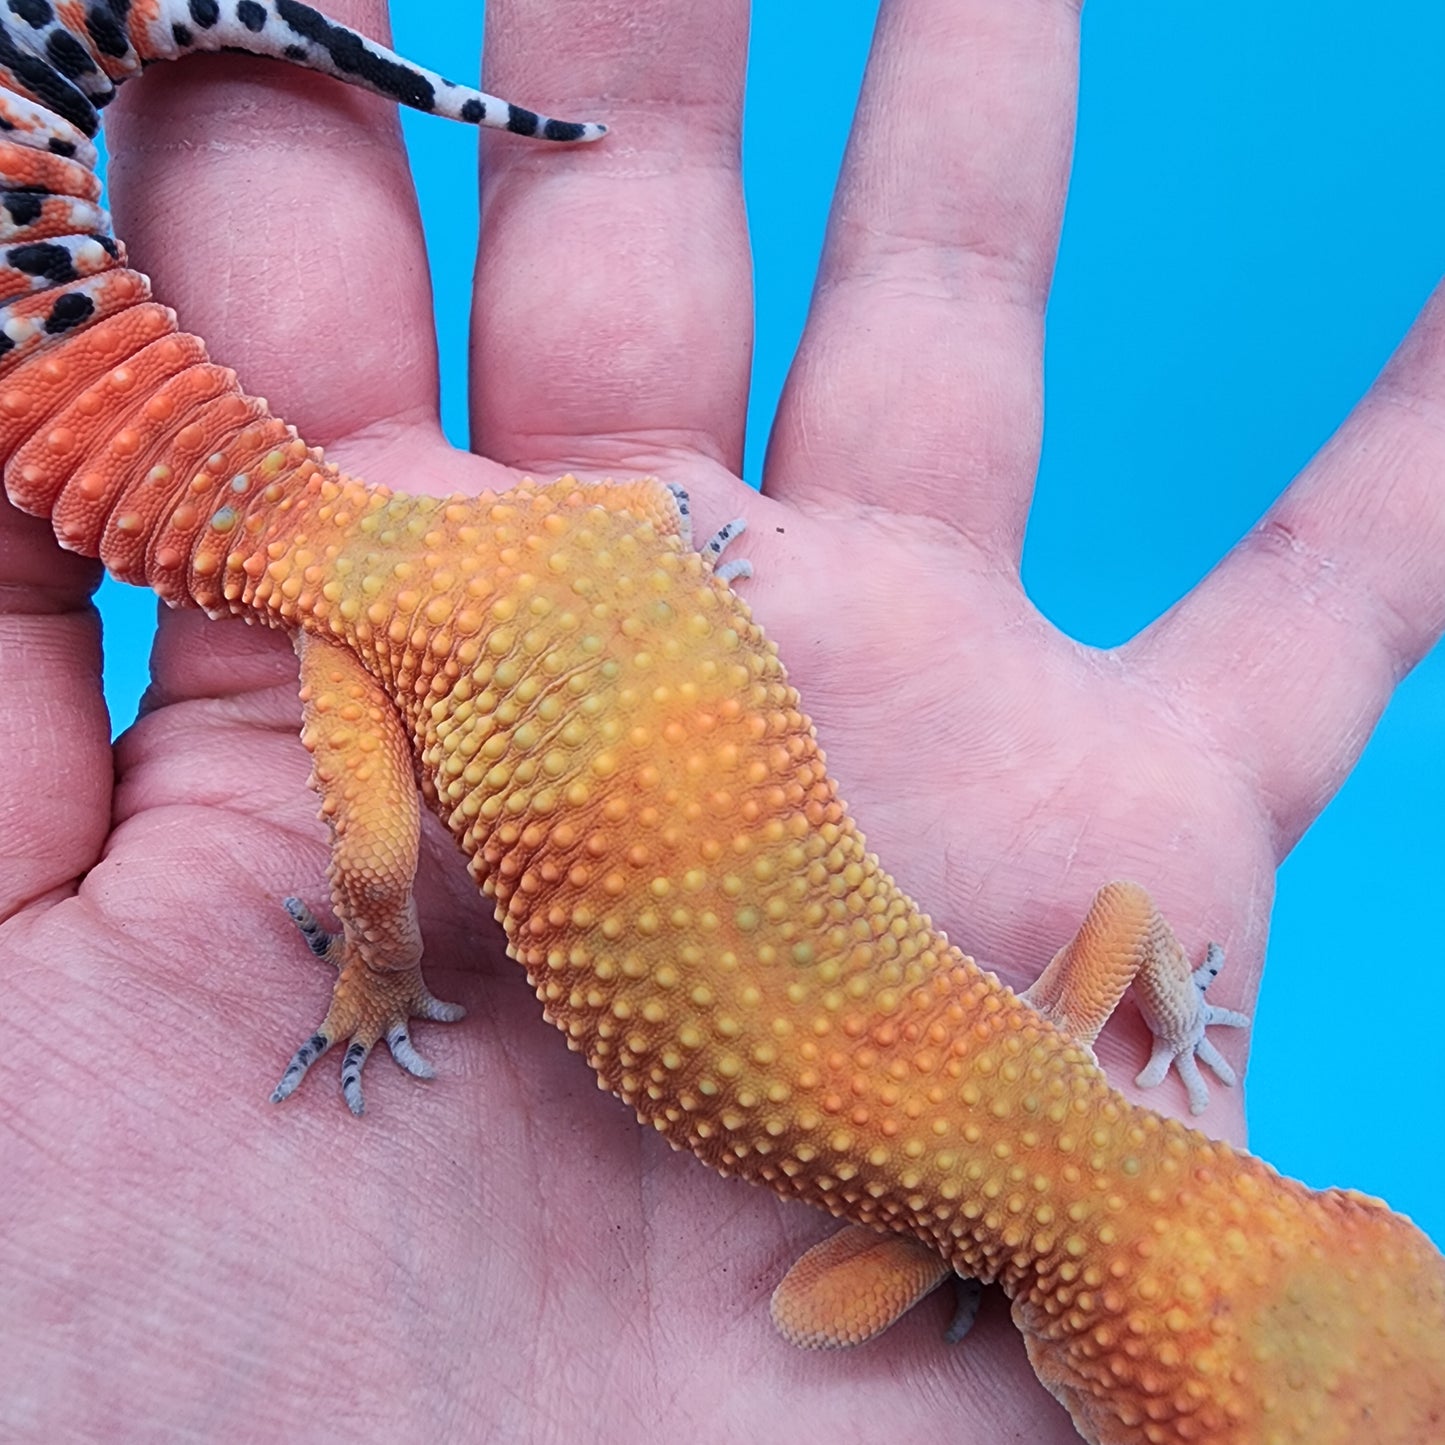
{"type": "Point", "coordinates": [968, 1295]}
{"type": "Point", "coordinates": [367, 1005]}
{"type": "Point", "coordinates": [715, 545]}
{"type": "Point", "coordinates": [1182, 1049]}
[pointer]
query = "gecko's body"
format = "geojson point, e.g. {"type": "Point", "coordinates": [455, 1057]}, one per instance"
{"type": "Point", "coordinates": [616, 748]}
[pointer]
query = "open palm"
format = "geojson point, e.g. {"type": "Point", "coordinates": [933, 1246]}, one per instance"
{"type": "Point", "coordinates": [503, 1254]}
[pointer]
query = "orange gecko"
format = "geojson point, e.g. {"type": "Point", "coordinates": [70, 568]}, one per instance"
{"type": "Point", "coordinates": [615, 746]}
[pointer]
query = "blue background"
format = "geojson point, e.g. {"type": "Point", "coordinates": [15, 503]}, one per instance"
{"type": "Point", "coordinates": [1258, 211]}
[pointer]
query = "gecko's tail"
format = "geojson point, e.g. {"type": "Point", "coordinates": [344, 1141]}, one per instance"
{"type": "Point", "coordinates": [1259, 1311]}
{"type": "Point", "coordinates": [114, 424]}
{"type": "Point", "coordinates": [72, 62]}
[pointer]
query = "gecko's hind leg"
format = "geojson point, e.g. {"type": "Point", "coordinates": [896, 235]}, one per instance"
{"type": "Point", "coordinates": [362, 768]}
{"type": "Point", "coordinates": [968, 1295]}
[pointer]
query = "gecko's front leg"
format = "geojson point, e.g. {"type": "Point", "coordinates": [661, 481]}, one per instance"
{"type": "Point", "coordinates": [362, 768]}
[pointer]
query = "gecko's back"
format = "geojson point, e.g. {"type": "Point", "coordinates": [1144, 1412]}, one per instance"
{"type": "Point", "coordinates": [633, 778]}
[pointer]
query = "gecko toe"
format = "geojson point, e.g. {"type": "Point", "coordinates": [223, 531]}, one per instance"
{"type": "Point", "coordinates": [301, 1060]}
{"type": "Point", "coordinates": [352, 1063]}
{"type": "Point", "coordinates": [1224, 1018]}
{"type": "Point", "coordinates": [684, 511]}
{"type": "Point", "coordinates": [398, 1040]}
{"type": "Point", "coordinates": [1208, 971]}
{"type": "Point", "coordinates": [1152, 1074]}
{"type": "Point", "coordinates": [1193, 1081]}
{"type": "Point", "coordinates": [968, 1295]}
{"type": "Point", "coordinates": [318, 940]}
{"type": "Point", "coordinates": [715, 545]}
{"type": "Point", "coordinates": [437, 1010]}
{"type": "Point", "coordinates": [1223, 1070]}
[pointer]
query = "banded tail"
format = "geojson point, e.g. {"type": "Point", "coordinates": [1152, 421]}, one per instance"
{"type": "Point", "coordinates": [113, 423]}
{"type": "Point", "coordinates": [71, 61]}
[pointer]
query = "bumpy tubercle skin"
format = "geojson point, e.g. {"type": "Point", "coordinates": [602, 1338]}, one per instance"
{"type": "Point", "coordinates": [615, 746]}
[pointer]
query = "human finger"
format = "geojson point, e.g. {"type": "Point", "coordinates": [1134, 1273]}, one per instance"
{"type": "Point", "coordinates": [55, 800]}
{"type": "Point", "coordinates": [273, 207]}
{"type": "Point", "coordinates": [612, 321]}
{"type": "Point", "coordinates": [1291, 647]}
{"type": "Point", "coordinates": [920, 369]}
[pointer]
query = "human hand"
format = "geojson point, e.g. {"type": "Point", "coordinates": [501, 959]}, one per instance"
{"type": "Point", "coordinates": [503, 1254]}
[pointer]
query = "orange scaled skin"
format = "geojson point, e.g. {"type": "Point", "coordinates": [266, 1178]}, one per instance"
{"type": "Point", "coordinates": [614, 743]}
